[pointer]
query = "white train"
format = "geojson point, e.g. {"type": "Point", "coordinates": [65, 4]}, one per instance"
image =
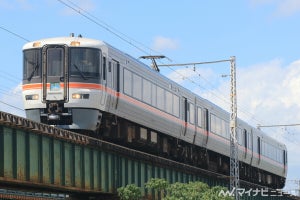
{"type": "Point", "coordinates": [89, 86]}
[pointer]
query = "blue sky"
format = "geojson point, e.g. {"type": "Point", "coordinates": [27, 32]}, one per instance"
{"type": "Point", "coordinates": [262, 34]}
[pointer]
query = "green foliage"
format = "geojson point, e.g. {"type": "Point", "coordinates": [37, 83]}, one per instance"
{"type": "Point", "coordinates": [187, 191]}
{"type": "Point", "coordinates": [129, 192]}
{"type": "Point", "coordinates": [176, 191]}
{"type": "Point", "coordinates": [157, 184]}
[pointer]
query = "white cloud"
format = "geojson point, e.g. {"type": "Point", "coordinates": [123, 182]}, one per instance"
{"type": "Point", "coordinates": [12, 102]}
{"type": "Point", "coordinates": [288, 7]}
{"type": "Point", "coordinates": [16, 4]}
{"type": "Point", "coordinates": [164, 43]}
{"type": "Point", "coordinates": [267, 93]}
{"type": "Point", "coordinates": [281, 7]}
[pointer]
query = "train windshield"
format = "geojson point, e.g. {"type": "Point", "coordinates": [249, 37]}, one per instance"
{"type": "Point", "coordinates": [55, 61]}
{"type": "Point", "coordinates": [85, 62]}
{"type": "Point", "coordinates": [32, 63]}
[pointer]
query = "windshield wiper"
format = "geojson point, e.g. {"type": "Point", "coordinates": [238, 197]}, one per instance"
{"type": "Point", "coordinates": [34, 70]}
{"type": "Point", "coordinates": [80, 72]}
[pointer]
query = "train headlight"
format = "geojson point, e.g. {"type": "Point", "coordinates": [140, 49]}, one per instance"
{"type": "Point", "coordinates": [37, 44]}
{"type": "Point", "coordinates": [80, 96]}
{"type": "Point", "coordinates": [32, 97]}
{"type": "Point", "coordinates": [75, 44]}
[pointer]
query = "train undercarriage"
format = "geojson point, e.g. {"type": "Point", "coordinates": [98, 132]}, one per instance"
{"type": "Point", "coordinates": [135, 136]}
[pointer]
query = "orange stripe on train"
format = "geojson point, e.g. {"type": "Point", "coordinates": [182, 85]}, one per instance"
{"type": "Point", "coordinates": [36, 86]}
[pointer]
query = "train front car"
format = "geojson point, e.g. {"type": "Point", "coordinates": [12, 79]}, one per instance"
{"type": "Point", "coordinates": [84, 84]}
{"type": "Point", "coordinates": [61, 80]}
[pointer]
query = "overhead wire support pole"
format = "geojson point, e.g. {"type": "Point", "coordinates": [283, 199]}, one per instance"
{"type": "Point", "coordinates": [234, 160]}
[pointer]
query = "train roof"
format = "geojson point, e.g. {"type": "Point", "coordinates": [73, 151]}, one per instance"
{"type": "Point", "coordinates": [69, 41]}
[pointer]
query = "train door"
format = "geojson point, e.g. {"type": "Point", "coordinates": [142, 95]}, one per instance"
{"type": "Point", "coordinates": [113, 78]}
{"type": "Point", "coordinates": [251, 145]}
{"type": "Point", "coordinates": [285, 160]}
{"type": "Point", "coordinates": [116, 86]}
{"type": "Point", "coordinates": [185, 116]}
{"type": "Point", "coordinates": [245, 138]}
{"type": "Point", "coordinates": [259, 149]}
{"type": "Point", "coordinates": [55, 74]}
{"type": "Point", "coordinates": [206, 126]}
{"type": "Point", "coordinates": [103, 93]}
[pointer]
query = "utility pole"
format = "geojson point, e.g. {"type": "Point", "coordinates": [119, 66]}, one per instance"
{"type": "Point", "coordinates": [234, 160]}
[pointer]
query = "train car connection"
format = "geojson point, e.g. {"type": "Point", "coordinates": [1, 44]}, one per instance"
{"type": "Point", "coordinates": [88, 86]}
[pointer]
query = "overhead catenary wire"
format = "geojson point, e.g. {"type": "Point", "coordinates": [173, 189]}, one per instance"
{"type": "Point", "coordinates": [108, 27]}
{"type": "Point", "coordinates": [11, 77]}
{"type": "Point", "coordinates": [7, 104]}
{"type": "Point", "coordinates": [131, 42]}
{"type": "Point", "coordinates": [120, 36]}
{"type": "Point", "coordinates": [15, 34]}
{"type": "Point", "coordinates": [95, 20]}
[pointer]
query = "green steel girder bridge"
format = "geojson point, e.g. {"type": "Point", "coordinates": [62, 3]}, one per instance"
{"type": "Point", "coordinates": [43, 159]}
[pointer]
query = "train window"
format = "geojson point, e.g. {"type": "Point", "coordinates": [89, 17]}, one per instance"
{"type": "Point", "coordinates": [176, 105]}
{"type": "Point", "coordinates": [218, 126]}
{"type": "Point", "coordinates": [137, 87]}
{"type": "Point", "coordinates": [32, 63]}
{"type": "Point", "coordinates": [223, 128]}
{"type": "Point", "coordinates": [169, 102]}
{"type": "Point", "coordinates": [146, 91]}
{"type": "Point", "coordinates": [250, 141]}
{"type": "Point", "coordinates": [270, 151]}
{"type": "Point", "coordinates": [55, 61]}
{"type": "Point", "coordinates": [153, 91]}
{"type": "Point", "coordinates": [227, 130]}
{"type": "Point", "coordinates": [199, 117]}
{"type": "Point", "coordinates": [127, 82]}
{"type": "Point", "coordinates": [191, 113]}
{"type": "Point", "coordinates": [213, 123]}
{"type": "Point", "coordinates": [279, 155]}
{"type": "Point", "coordinates": [240, 136]}
{"type": "Point", "coordinates": [85, 62]}
{"type": "Point", "coordinates": [160, 96]}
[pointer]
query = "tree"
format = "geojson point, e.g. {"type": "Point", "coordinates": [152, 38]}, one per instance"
{"type": "Point", "coordinates": [187, 191]}
{"type": "Point", "coordinates": [176, 191]}
{"type": "Point", "coordinates": [129, 192]}
{"type": "Point", "coordinates": [158, 185]}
